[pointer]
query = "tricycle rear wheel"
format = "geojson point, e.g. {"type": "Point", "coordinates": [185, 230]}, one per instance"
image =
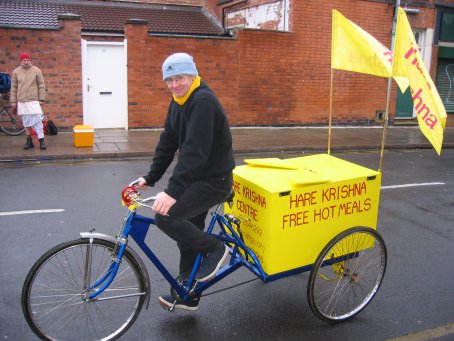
{"type": "Point", "coordinates": [347, 274]}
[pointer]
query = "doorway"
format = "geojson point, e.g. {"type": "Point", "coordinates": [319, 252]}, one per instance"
{"type": "Point", "coordinates": [104, 84]}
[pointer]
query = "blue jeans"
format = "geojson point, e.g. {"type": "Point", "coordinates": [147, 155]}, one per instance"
{"type": "Point", "coordinates": [186, 220]}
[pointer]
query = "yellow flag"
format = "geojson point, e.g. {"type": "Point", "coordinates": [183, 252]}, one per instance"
{"type": "Point", "coordinates": [354, 49]}
{"type": "Point", "coordinates": [408, 63]}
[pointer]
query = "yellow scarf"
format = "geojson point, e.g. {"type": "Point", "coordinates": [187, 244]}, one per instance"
{"type": "Point", "coordinates": [195, 85]}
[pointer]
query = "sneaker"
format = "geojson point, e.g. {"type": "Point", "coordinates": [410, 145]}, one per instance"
{"type": "Point", "coordinates": [211, 263]}
{"type": "Point", "coordinates": [182, 279]}
{"type": "Point", "coordinates": [170, 303]}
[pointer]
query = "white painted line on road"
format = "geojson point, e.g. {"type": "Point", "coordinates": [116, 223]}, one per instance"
{"type": "Point", "coordinates": [429, 334]}
{"type": "Point", "coordinates": [61, 210]}
{"type": "Point", "coordinates": [56, 210]}
{"type": "Point", "coordinates": [414, 185]}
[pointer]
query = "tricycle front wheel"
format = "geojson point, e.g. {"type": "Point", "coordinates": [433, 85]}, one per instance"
{"type": "Point", "coordinates": [347, 274]}
{"type": "Point", "coordinates": [54, 294]}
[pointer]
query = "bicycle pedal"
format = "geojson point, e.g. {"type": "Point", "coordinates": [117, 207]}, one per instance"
{"type": "Point", "coordinates": [167, 307]}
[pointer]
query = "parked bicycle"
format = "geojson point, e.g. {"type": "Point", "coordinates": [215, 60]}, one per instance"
{"type": "Point", "coordinates": [95, 287]}
{"type": "Point", "coordinates": [10, 122]}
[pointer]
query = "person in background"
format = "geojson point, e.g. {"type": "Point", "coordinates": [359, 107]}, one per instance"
{"type": "Point", "coordinates": [197, 126]}
{"type": "Point", "coordinates": [28, 94]}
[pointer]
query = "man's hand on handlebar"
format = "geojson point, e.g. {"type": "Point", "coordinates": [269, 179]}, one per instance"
{"type": "Point", "coordinates": [141, 184]}
{"type": "Point", "coordinates": [163, 202]}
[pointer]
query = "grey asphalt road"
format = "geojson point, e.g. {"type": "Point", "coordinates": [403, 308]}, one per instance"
{"type": "Point", "coordinates": [417, 223]}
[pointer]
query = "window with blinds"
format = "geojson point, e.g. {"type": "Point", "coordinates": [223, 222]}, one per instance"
{"type": "Point", "coordinates": [445, 83]}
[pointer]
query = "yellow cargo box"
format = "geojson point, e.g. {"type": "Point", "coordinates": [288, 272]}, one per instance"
{"type": "Point", "coordinates": [83, 135]}
{"type": "Point", "coordinates": [290, 209]}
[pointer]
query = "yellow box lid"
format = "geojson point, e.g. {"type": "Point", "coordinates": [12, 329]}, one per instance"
{"type": "Point", "coordinates": [272, 163]}
{"type": "Point", "coordinates": [277, 175]}
{"type": "Point", "coordinates": [83, 128]}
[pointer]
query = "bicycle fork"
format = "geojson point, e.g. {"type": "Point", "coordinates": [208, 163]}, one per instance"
{"type": "Point", "coordinates": [108, 276]}
{"type": "Point", "coordinates": [91, 290]}
{"type": "Point", "coordinates": [87, 271]}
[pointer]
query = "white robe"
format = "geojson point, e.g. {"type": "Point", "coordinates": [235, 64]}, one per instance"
{"type": "Point", "coordinates": [31, 114]}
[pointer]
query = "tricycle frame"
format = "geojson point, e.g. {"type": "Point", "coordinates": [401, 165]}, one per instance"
{"type": "Point", "coordinates": [335, 269]}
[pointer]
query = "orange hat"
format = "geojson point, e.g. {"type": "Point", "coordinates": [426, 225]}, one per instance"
{"type": "Point", "coordinates": [24, 55]}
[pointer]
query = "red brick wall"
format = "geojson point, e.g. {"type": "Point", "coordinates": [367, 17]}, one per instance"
{"type": "Point", "coordinates": [57, 53]}
{"type": "Point", "coordinates": [356, 97]}
{"type": "Point", "coordinates": [268, 77]}
{"type": "Point", "coordinates": [217, 63]}
{"type": "Point", "coordinates": [265, 87]}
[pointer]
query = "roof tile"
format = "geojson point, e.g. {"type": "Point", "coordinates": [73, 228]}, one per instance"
{"type": "Point", "coordinates": [97, 16]}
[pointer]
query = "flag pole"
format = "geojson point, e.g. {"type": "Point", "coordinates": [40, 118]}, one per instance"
{"type": "Point", "coordinates": [385, 125]}
{"type": "Point", "coordinates": [388, 92]}
{"type": "Point", "coordinates": [330, 111]}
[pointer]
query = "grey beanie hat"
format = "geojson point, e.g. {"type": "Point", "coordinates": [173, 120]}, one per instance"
{"type": "Point", "coordinates": [178, 64]}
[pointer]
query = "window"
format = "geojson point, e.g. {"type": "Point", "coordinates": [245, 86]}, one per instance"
{"type": "Point", "coordinates": [445, 78]}
{"type": "Point", "coordinates": [445, 69]}
{"type": "Point", "coordinates": [445, 25]}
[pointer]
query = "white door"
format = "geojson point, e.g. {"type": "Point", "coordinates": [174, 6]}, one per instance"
{"type": "Point", "coordinates": [105, 84]}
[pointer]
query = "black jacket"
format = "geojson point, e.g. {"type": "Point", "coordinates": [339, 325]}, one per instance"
{"type": "Point", "coordinates": [199, 129]}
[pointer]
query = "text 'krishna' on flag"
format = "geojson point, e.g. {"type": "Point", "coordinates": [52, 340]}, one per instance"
{"type": "Point", "coordinates": [353, 49]}
{"type": "Point", "coordinates": [408, 63]}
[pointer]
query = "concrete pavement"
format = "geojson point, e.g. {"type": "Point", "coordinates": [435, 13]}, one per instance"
{"type": "Point", "coordinates": [120, 143]}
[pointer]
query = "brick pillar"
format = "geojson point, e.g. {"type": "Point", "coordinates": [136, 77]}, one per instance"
{"type": "Point", "coordinates": [136, 31]}
{"type": "Point", "coordinates": [67, 86]}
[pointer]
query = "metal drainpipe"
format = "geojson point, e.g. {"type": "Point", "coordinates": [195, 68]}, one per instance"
{"type": "Point", "coordinates": [285, 13]}
{"type": "Point", "coordinates": [393, 35]}
{"type": "Point", "coordinates": [393, 32]}
{"type": "Point", "coordinates": [388, 91]}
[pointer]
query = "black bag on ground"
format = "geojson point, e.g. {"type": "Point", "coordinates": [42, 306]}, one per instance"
{"type": "Point", "coordinates": [51, 128]}
{"type": "Point", "coordinates": [5, 82]}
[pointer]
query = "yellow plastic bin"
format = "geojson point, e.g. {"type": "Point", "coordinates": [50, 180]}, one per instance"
{"type": "Point", "coordinates": [290, 209]}
{"type": "Point", "coordinates": [83, 135]}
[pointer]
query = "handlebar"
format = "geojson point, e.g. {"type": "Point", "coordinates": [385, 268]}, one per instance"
{"type": "Point", "coordinates": [131, 196]}
{"type": "Point", "coordinates": [135, 182]}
